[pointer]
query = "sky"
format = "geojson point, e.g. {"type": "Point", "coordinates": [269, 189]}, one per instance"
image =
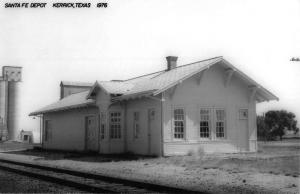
{"type": "Point", "coordinates": [133, 37]}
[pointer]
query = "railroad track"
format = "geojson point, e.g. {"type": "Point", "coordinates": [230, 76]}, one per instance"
{"type": "Point", "coordinates": [89, 182]}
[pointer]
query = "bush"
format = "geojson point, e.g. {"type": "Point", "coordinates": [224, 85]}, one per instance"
{"type": "Point", "coordinates": [199, 154]}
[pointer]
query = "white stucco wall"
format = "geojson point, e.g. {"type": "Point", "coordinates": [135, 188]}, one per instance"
{"type": "Point", "coordinates": [210, 93]}
{"type": "Point", "coordinates": [68, 129]}
{"type": "Point", "coordinates": [127, 143]}
{"type": "Point", "coordinates": [68, 90]}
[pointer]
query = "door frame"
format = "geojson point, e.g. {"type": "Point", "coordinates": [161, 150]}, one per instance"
{"type": "Point", "coordinates": [86, 129]}
{"type": "Point", "coordinates": [149, 134]}
{"type": "Point", "coordinates": [247, 126]}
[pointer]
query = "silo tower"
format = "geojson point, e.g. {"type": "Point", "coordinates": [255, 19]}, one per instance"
{"type": "Point", "coordinates": [9, 102]}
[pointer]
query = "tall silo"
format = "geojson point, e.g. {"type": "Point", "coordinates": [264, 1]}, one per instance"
{"type": "Point", "coordinates": [3, 112]}
{"type": "Point", "coordinates": [13, 112]}
{"type": "Point", "coordinates": [13, 77]}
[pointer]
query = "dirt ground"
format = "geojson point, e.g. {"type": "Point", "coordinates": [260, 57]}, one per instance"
{"type": "Point", "coordinates": [14, 183]}
{"type": "Point", "coordinates": [7, 146]}
{"type": "Point", "coordinates": [275, 168]}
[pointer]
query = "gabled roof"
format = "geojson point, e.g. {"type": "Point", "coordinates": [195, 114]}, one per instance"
{"type": "Point", "coordinates": [156, 83]}
{"type": "Point", "coordinates": [116, 87]}
{"type": "Point", "coordinates": [152, 82]}
{"type": "Point", "coordinates": [150, 85]}
{"type": "Point", "coordinates": [72, 101]}
{"type": "Point", "coordinates": [166, 79]}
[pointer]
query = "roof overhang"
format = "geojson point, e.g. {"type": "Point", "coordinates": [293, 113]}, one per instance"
{"type": "Point", "coordinates": [133, 96]}
{"type": "Point", "coordinates": [83, 105]}
{"type": "Point", "coordinates": [263, 93]}
{"type": "Point", "coordinates": [186, 77]}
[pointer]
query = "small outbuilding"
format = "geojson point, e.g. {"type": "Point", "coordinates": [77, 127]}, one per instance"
{"type": "Point", "coordinates": [26, 136]}
{"type": "Point", "coordinates": [208, 105]}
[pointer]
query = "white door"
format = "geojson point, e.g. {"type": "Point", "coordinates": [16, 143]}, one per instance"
{"type": "Point", "coordinates": [91, 133]}
{"type": "Point", "coordinates": [242, 125]}
{"type": "Point", "coordinates": [151, 125]}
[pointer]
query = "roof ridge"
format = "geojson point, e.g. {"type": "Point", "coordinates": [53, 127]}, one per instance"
{"type": "Point", "coordinates": [175, 67]}
{"type": "Point", "coordinates": [190, 64]}
{"type": "Point", "coordinates": [75, 83]}
{"type": "Point", "coordinates": [198, 61]}
{"type": "Point", "coordinates": [117, 82]}
{"type": "Point", "coordinates": [143, 75]}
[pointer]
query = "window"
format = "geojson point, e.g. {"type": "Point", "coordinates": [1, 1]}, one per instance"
{"type": "Point", "coordinates": [102, 125]}
{"type": "Point", "coordinates": [178, 123]}
{"type": "Point", "coordinates": [220, 123]}
{"type": "Point", "coordinates": [136, 125]}
{"type": "Point", "coordinates": [204, 123]}
{"type": "Point", "coordinates": [243, 114]}
{"type": "Point", "coordinates": [115, 125]}
{"type": "Point", "coordinates": [102, 131]}
{"type": "Point", "coordinates": [48, 130]}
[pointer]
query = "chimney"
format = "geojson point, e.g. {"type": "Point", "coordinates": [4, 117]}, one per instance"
{"type": "Point", "coordinates": [172, 62]}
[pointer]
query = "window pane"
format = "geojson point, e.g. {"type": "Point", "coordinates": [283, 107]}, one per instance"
{"type": "Point", "coordinates": [102, 132]}
{"type": "Point", "coordinates": [220, 114]}
{"type": "Point", "coordinates": [243, 114]}
{"type": "Point", "coordinates": [178, 123]}
{"type": "Point", "coordinates": [204, 123]}
{"type": "Point", "coordinates": [115, 125]}
{"type": "Point", "coordinates": [220, 123]}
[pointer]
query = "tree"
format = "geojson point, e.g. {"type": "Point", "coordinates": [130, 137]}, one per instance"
{"type": "Point", "coordinates": [276, 122]}
{"type": "Point", "coordinates": [262, 131]}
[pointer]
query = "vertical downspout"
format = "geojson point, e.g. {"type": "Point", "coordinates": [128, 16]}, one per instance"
{"type": "Point", "coordinates": [99, 129]}
{"type": "Point", "coordinates": [40, 117]}
{"type": "Point", "coordinates": [125, 126]}
{"type": "Point", "coordinates": [43, 129]}
{"type": "Point", "coordinates": [162, 123]}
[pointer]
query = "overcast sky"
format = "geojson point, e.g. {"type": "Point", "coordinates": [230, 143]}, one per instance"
{"type": "Point", "coordinates": [133, 37]}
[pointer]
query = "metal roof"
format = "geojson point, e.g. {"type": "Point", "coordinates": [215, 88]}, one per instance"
{"type": "Point", "coordinates": [147, 85]}
{"type": "Point", "coordinates": [79, 84]}
{"type": "Point", "coordinates": [153, 84]}
{"type": "Point", "coordinates": [72, 101]}
{"type": "Point", "coordinates": [116, 87]}
{"type": "Point", "coordinates": [163, 79]}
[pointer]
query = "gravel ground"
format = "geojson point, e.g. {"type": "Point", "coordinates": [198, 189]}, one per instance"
{"type": "Point", "coordinates": [274, 169]}
{"type": "Point", "coordinates": [14, 183]}
{"type": "Point", "coordinates": [213, 180]}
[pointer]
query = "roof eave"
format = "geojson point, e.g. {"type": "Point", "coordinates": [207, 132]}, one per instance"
{"type": "Point", "coordinates": [133, 96]}
{"type": "Point", "coordinates": [270, 96]}
{"type": "Point", "coordinates": [186, 77]}
{"type": "Point", "coordinates": [63, 108]}
{"type": "Point", "coordinates": [92, 90]}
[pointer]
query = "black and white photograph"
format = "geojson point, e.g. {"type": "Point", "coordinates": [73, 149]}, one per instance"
{"type": "Point", "coordinates": [137, 96]}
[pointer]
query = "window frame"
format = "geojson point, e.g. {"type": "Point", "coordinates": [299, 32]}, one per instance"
{"type": "Point", "coordinates": [239, 113]}
{"type": "Point", "coordinates": [118, 136]}
{"type": "Point", "coordinates": [215, 120]}
{"type": "Point", "coordinates": [173, 123]}
{"type": "Point", "coordinates": [210, 127]}
{"type": "Point", "coordinates": [136, 124]}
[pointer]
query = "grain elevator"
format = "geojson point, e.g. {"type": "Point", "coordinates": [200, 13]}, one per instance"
{"type": "Point", "coordinates": [9, 102]}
